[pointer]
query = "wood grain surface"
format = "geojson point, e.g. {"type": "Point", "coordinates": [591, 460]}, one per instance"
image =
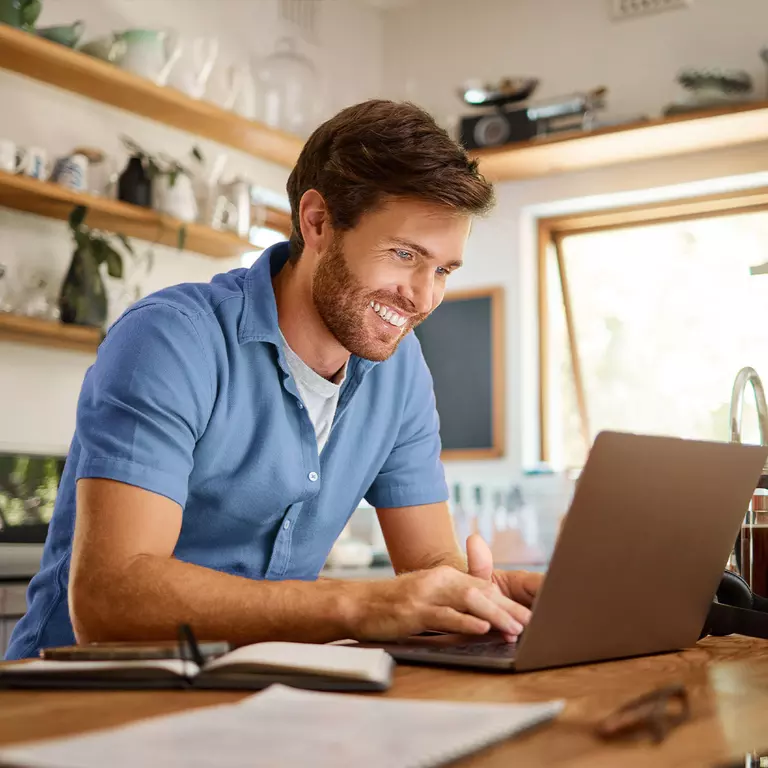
{"type": "Point", "coordinates": [727, 681]}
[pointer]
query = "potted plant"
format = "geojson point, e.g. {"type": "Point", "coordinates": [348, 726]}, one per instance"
{"type": "Point", "coordinates": [83, 298]}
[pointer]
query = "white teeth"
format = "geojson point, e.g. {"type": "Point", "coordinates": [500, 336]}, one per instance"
{"type": "Point", "coordinates": [390, 315]}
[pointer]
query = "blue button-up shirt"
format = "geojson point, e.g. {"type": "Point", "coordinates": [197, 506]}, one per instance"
{"type": "Point", "coordinates": [191, 397]}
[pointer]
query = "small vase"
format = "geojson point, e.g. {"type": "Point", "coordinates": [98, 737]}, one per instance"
{"type": "Point", "coordinates": [133, 185]}
{"type": "Point", "coordinates": [83, 300]}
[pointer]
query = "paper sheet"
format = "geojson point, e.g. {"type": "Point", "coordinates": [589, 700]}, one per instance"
{"type": "Point", "coordinates": [287, 727]}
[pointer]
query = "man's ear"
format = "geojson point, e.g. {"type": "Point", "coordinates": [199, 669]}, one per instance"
{"type": "Point", "coordinates": [315, 221]}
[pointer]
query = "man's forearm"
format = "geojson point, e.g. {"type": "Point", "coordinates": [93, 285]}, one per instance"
{"type": "Point", "coordinates": [151, 596]}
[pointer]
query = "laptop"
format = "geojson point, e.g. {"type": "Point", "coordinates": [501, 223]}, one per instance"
{"type": "Point", "coordinates": [637, 563]}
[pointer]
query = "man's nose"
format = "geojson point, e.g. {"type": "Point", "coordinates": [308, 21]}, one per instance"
{"type": "Point", "coordinates": [421, 292]}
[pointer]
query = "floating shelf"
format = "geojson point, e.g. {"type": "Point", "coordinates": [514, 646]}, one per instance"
{"type": "Point", "coordinates": [46, 333]}
{"type": "Point", "coordinates": [45, 198]}
{"type": "Point", "coordinates": [57, 65]}
{"type": "Point", "coordinates": [576, 151]}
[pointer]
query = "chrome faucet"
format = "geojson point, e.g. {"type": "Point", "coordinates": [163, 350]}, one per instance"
{"type": "Point", "coordinates": [743, 377]}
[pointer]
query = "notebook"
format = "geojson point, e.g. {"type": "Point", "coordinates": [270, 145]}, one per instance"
{"type": "Point", "coordinates": [251, 667]}
{"type": "Point", "coordinates": [286, 727]}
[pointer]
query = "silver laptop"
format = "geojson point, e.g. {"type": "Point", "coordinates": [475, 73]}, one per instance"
{"type": "Point", "coordinates": [639, 558]}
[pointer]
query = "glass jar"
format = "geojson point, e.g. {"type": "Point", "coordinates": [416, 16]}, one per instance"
{"type": "Point", "coordinates": [288, 86]}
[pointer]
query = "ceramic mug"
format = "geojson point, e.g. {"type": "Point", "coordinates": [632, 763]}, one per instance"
{"type": "Point", "coordinates": [9, 159]}
{"type": "Point", "coordinates": [72, 172]}
{"type": "Point", "coordinates": [33, 162]}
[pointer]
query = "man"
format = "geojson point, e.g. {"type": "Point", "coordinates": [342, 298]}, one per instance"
{"type": "Point", "coordinates": [227, 431]}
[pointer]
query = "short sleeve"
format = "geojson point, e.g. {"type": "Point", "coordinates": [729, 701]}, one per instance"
{"type": "Point", "coordinates": [413, 473]}
{"type": "Point", "coordinates": [145, 402]}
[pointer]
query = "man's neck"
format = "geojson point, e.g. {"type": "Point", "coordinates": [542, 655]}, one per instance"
{"type": "Point", "coordinates": [301, 324]}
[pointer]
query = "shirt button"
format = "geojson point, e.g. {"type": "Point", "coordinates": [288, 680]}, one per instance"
{"type": "Point", "coordinates": [313, 476]}
{"type": "Point", "coordinates": [287, 524]}
{"type": "Point", "coordinates": [301, 405]}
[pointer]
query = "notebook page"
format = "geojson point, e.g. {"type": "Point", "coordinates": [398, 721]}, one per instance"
{"type": "Point", "coordinates": [291, 728]}
{"type": "Point", "coordinates": [371, 664]}
{"type": "Point", "coordinates": [87, 668]}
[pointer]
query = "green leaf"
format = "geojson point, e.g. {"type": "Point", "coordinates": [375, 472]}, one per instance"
{"type": "Point", "coordinates": [150, 259]}
{"type": "Point", "coordinates": [98, 249]}
{"type": "Point", "coordinates": [77, 217]}
{"type": "Point", "coordinates": [125, 241]}
{"type": "Point", "coordinates": [114, 262]}
{"type": "Point", "coordinates": [182, 238]}
{"type": "Point", "coordinates": [172, 176]}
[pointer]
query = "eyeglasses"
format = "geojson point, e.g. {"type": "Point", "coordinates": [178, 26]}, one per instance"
{"type": "Point", "coordinates": [657, 712]}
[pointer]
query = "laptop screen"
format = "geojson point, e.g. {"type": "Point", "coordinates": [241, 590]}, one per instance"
{"type": "Point", "coordinates": [28, 487]}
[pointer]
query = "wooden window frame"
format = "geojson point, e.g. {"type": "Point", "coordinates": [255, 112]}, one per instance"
{"type": "Point", "coordinates": [551, 233]}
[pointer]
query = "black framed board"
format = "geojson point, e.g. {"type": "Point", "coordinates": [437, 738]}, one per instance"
{"type": "Point", "coordinates": [463, 345]}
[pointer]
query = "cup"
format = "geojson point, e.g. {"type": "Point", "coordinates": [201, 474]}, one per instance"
{"type": "Point", "coordinates": [72, 172]}
{"type": "Point", "coordinates": [33, 162]}
{"type": "Point", "coordinates": [754, 545]}
{"type": "Point", "coordinates": [9, 161]}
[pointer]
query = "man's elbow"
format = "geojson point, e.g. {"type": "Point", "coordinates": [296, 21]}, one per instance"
{"type": "Point", "coordinates": [94, 608]}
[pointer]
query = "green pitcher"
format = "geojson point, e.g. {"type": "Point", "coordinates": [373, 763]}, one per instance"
{"type": "Point", "coordinates": [20, 13]}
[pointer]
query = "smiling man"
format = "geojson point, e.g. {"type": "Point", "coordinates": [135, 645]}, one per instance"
{"type": "Point", "coordinates": [228, 430]}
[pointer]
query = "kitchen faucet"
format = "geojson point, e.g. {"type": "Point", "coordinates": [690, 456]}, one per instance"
{"type": "Point", "coordinates": [743, 377]}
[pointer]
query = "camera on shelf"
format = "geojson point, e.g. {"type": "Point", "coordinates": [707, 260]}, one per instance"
{"type": "Point", "coordinates": [508, 117]}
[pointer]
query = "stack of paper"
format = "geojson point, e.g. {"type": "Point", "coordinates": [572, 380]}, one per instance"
{"type": "Point", "coordinates": [287, 727]}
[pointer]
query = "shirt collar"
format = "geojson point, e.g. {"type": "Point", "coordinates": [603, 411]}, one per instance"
{"type": "Point", "coordinates": [259, 318]}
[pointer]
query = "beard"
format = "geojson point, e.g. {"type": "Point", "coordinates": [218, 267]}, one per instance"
{"type": "Point", "coordinates": [344, 305]}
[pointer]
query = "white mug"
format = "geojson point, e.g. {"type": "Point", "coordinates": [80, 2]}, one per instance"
{"type": "Point", "coordinates": [34, 162]}
{"type": "Point", "coordinates": [9, 160]}
{"type": "Point", "coordinates": [72, 172]}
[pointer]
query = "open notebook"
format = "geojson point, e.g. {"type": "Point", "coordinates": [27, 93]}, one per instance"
{"type": "Point", "coordinates": [302, 665]}
{"type": "Point", "coordinates": [295, 729]}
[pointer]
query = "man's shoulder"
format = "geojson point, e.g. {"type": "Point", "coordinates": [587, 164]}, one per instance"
{"type": "Point", "coordinates": [195, 300]}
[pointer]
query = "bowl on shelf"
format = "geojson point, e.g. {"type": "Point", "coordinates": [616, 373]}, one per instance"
{"type": "Point", "coordinates": [64, 34]}
{"type": "Point", "coordinates": [506, 91]}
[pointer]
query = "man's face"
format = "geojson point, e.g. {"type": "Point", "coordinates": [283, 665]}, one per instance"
{"type": "Point", "coordinates": [378, 281]}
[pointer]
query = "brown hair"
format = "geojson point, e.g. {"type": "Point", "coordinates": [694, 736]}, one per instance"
{"type": "Point", "coordinates": [377, 150]}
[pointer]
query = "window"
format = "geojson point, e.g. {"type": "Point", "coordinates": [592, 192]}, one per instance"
{"type": "Point", "coordinates": [646, 317]}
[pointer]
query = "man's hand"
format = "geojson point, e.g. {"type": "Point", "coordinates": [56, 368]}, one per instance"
{"type": "Point", "coordinates": [520, 586]}
{"type": "Point", "coordinates": [442, 599]}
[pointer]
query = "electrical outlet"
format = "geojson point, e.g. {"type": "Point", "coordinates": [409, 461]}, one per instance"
{"type": "Point", "coordinates": [628, 9]}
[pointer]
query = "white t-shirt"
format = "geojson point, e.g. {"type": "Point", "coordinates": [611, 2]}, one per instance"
{"type": "Point", "coordinates": [320, 396]}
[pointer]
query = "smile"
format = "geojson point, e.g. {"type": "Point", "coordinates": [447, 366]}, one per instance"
{"type": "Point", "coordinates": [389, 315]}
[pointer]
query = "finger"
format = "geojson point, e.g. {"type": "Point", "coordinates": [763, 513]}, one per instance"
{"type": "Point", "coordinates": [479, 557]}
{"type": "Point", "coordinates": [519, 613]}
{"type": "Point", "coordinates": [509, 638]}
{"type": "Point", "coordinates": [481, 605]}
{"type": "Point", "coordinates": [445, 619]}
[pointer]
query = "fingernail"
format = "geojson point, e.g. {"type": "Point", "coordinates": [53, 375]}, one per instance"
{"type": "Point", "coordinates": [514, 627]}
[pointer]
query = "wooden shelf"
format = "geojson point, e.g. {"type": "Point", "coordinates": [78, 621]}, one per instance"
{"type": "Point", "coordinates": [681, 134]}
{"type": "Point", "coordinates": [45, 333]}
{"type": "Point", "coordinates": [57, 65]}
{"type": "Point", "coordinates": [54, 201]}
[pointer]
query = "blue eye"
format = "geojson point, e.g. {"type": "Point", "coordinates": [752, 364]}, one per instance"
{"type": "Point", "coordinates": [404, 255]}
{"type": "Point", "coordinates": [442, 271]}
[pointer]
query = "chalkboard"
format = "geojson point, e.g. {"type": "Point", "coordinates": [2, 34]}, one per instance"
{"type": "Point", "coordinates": [462, 341]}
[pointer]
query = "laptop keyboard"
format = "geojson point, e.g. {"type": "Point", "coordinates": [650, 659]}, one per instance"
{"type": "Point", "coordinates": [485, 648]}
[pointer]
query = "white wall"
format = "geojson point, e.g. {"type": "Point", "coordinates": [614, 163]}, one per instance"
{"type": "Point", "coordinates": [435, 45]}
{"type": "Point", "coordinates": [38, 386]}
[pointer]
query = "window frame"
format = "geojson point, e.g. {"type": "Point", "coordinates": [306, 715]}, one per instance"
{"type": "Point", "coordinates": [551, 231]}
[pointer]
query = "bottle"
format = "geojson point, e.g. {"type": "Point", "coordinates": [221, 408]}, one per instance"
{"type": "Point", "coordinates": [461, 522]}
{"type": "Point", "coordinates": [134, 185]}
{"type": "Point", "coordinates": [483, 517]}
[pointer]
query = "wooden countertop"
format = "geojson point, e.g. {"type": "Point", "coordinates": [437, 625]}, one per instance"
{"type": "Point", "coordinates": [727, 680]}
